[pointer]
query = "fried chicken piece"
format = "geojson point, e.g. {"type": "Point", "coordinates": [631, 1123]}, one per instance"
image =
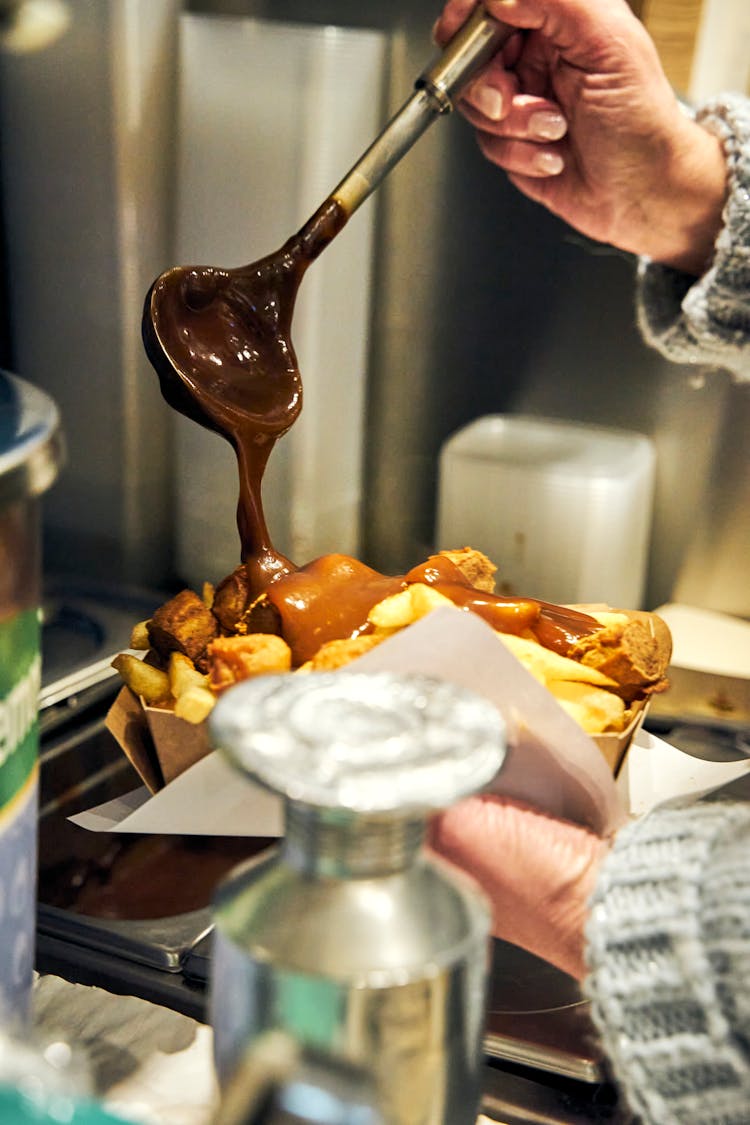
{"type": "Point", "coordinates": [336, 654]}
{"type": "Point", "coordinates": [238, 612]}
{"type": "Point", "coordinates": [233, 659]}
{"type": "Point", "coordinates": [232, 598]}
{"type": "Point", "coordinates": [261, 617]}
{"type": "Point", "coordinates": [634, 652]}
{"type": "Point", "coordinates": [475, 567]}
{"type": "Point", "coordinates": [183, 624]}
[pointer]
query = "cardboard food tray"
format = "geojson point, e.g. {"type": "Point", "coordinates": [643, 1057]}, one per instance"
{"type": "Point", "coordinates": [158, 744]}
{"type": "Point", "coordinates": [161, 746]}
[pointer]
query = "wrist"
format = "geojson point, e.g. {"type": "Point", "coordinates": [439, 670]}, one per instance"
{"type": "Point", "coordinates": [687, 214]}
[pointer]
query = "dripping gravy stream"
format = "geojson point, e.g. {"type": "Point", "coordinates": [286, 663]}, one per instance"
{"type": "Point", "coordinates": [220, 342]}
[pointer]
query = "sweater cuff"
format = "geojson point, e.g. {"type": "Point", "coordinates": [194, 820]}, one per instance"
{"type": "Point", "coordinates": [708, 321]}
{"type": "Point", "coordinates": [669, 954]}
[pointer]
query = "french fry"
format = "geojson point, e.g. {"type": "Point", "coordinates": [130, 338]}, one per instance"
{"type": "Point", "coordinates": [406, 607]}
{"type": "Point", "coordinates": [548, 666]}
{"type": "Point", "coordinates": [183, 675]}
{"type": "Point", "coordinates": [195, 704]}
{"type": "Point", "coordinates": [151, 684]}
{"type": "Point", "coordinates": [593, 708]}
{"type": "Point", "coordinates": [585, 693]}
{"type": "Point", "coordinates": [139, 636]}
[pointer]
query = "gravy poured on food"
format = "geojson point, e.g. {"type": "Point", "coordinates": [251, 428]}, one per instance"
{"type": "Point", "coordinates": [332, 596]}
{"type": "Point", "coordinates": [220, 341]}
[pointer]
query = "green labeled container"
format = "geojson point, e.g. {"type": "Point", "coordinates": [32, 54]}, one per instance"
{"type": "Point", "coordinates": [30, 454]}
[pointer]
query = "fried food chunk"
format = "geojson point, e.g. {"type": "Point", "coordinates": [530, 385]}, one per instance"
{"type": "Point", "coordinates": [633, 649]}
{"type": "Point", "coordinates": [261, 617]}
{"type": "Point", "coordinates": [336, 654]}
{"type": "Point", "coordinates": [183, 624]}
{"type": "Point", "coordinates": [232, 597]}
{"type": "Point", "coordinates": [233, 659]}
{"type": "Point", "coordinates": [476, 568]}
{"type": "Point", "coordinates": [238, 612]}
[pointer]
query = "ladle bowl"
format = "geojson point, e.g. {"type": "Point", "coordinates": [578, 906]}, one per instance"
{"type": "Point", "coordinates": [220, 339]}
{"type": "Point", "coordinates": [220, 342]}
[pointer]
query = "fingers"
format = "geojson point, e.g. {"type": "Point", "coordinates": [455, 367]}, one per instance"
{"type": "Point", "coordinates": [489, 98]}
{"type": "Point", "coordinates": [521, 136]}
{"type": "Point", "coordinates": [564, 22]}
{"type": "Point", "coordinates": [516, 129]}
{"type": "Point", "coordinates": [454, 16]}
{"type": "Point", "coordinates": [581, 30]}
{"type": "Point", "coordinates": [525, 158]}
{"type": "Point", "coordinates": [520, 116]}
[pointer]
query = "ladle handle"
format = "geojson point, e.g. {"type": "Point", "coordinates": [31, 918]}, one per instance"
{"type": "Point", "coordinates": [466, 53]}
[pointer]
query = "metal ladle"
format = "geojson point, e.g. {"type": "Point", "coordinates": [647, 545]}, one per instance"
{"type": "Point", "coordinates": [436, 87]}
{"type": "Point", "coordinates": [220, 339]}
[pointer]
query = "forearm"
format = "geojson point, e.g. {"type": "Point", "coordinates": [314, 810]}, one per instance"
{"type": "Point", "coordinates": [669, 958]}
{"type": "Point", "coordinates": [707, 320]}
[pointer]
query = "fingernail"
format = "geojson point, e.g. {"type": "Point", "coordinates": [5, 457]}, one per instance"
{"type": "Point", "coordinates": [488, 101]}
{"type": "Point", "coordinates": [549, 163]}
{"type": "Point", "coordinates": [547, 125]}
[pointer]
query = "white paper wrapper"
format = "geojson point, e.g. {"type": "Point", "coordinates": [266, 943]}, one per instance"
{"type": "Point", "coordinates": [208, 799]}
{"type": "Point", "coordinates": [655, 772]}
{"type": "Point", "coordinates": [550, 763]}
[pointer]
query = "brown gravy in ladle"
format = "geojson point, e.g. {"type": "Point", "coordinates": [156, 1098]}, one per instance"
{"type": "Point", "coordinates": [220, 341]}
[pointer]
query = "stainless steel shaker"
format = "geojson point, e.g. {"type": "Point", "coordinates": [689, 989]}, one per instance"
{"type": "Point", "coordinates": [350, 937]}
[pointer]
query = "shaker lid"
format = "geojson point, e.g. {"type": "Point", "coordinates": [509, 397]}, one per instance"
{"type": "Point", "coordinates": [372, 743]}
{"type": "Point", "coordinates": [30, 439]}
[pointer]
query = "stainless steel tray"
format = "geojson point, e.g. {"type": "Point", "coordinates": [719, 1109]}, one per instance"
{"type": "Point", "coordinates": [163, 943]}
{"type": "Point", "coordinates": [703, 697]}
{"type": "Point", "coordinates": [537, 1017]}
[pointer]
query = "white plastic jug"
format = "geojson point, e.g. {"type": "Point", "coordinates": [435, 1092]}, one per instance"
{"type": "Point", "coordinates": [562, 508]}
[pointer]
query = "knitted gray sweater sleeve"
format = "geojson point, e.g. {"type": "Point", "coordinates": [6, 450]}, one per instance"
{"type": "Point", "coordinates": [669, 955]}
{"type": "Point", "coordinates": [707, 321]}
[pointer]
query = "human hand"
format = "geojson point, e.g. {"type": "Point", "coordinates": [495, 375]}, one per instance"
{"type": "Point", "coordinates": [578, 111]}
{"type": "Point", "coordinates": [538, 872]}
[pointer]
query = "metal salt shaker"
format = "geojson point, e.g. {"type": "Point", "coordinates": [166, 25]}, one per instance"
{"type": "Point", "coordinates": [350, 937]}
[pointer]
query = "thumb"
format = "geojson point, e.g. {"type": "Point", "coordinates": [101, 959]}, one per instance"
{"type": "Point", "coordinates": [583, 31]}
{"type": "Point", "coordinates": [536, 870]}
